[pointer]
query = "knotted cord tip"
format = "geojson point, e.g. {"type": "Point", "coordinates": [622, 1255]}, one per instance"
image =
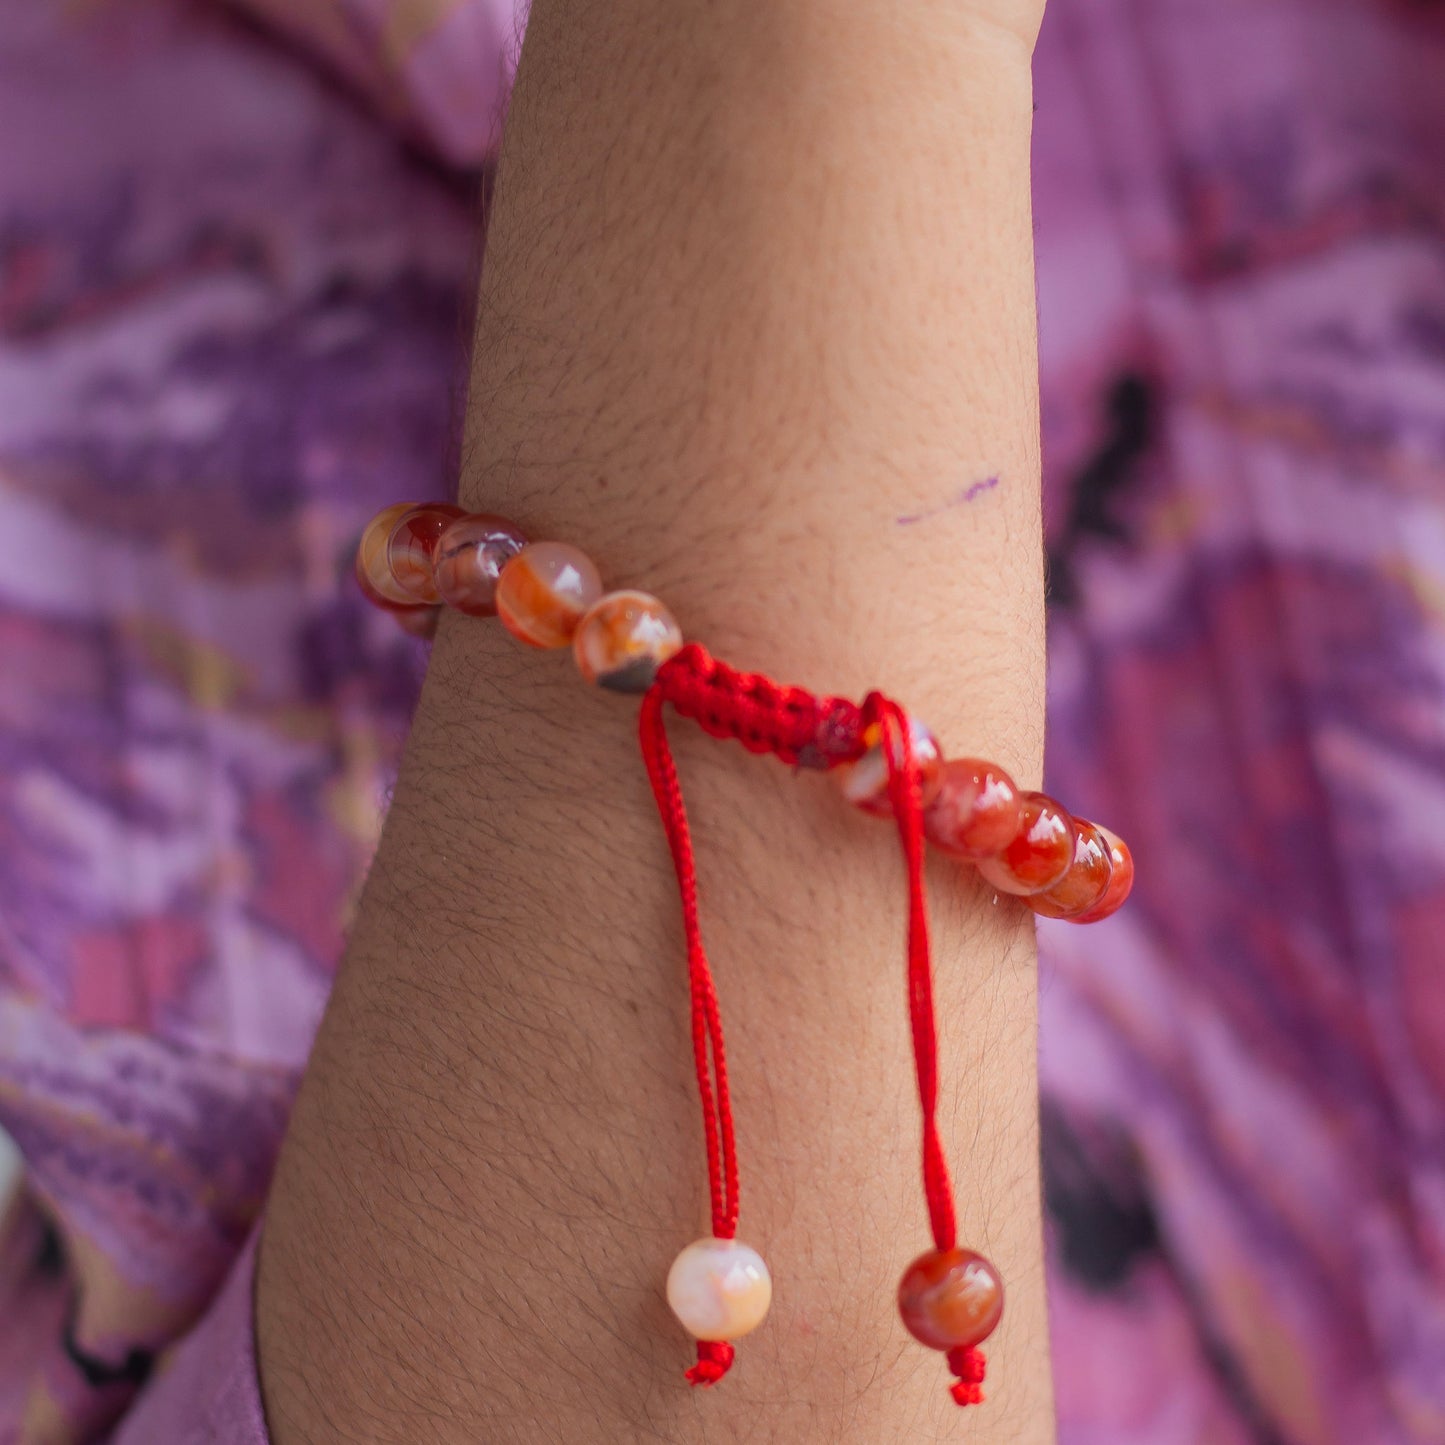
{"type": "Point", "coordinates": [969, 1366]}
{"type": "Point", "coordinates": [714, 1360]}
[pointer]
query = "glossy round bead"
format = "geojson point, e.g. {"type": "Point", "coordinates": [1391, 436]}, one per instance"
{"type": "Point", "coordinates": [719, 1288]}
{"type": "Point", "coordinates": [372, 569]}
{"type": "Point", "coordinates": [1121, 880]}
{"type": "Point", "coordinates": [544, 591]}
{"type": "Point", "coordinates": [411, 550]}
{"type": "Point", "coordinates": [470, 556]}
{"type": "Point", "coordinates": [1084, 885]}
{"type": "Point", "coordinates": [865, 783]}
{"type": "Point", "coordinates": [1039, 854]}
{"type": "Point", "coordinates": [977, 810]}
{"type": "Point", "coordinates": [950, 1299]}
{"type": "Point", "coordinates": [624, 638]}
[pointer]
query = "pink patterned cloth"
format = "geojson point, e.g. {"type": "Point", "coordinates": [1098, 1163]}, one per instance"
{"type": "Point", "coordinates": [232, 303]}
{"type": "Point", "coordinates": [207, 1394]}
{"type": "Point", "coordinates": [232, 307]}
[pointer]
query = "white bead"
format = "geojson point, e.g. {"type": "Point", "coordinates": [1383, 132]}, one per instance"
{"type": "Point", "coordinates": [719, 1289]}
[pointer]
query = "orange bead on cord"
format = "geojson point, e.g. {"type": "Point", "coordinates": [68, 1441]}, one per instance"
{"type": "Point", "coordinates": [1121, 881]}
{"type": "Point", "coordinates": [470, 556]}
{"type": "Point", "coordinates": [1083, 887]}
{"type": "Point", "coordinates": [373, 574]}
{"type": "Point", "coordinates": [950, 1299]}
{"type": "Point", "coordinates": [623, 639]}
{"type": "Point", "coordinates": [977, 810]}
{"type": "Point", "coordinates": [888, 764]}
{"type": "Point", "coordinates": [1040, 852]}
{"type": "Point", "coordinates": [544, 591]}
{"type": "Point", "coordinates": [373, 570]}
{"type": "Point", "coordinates": [411, 550]}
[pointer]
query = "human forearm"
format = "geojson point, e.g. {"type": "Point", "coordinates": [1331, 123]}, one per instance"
{"type": "Point", "coordinates": [758, 293]}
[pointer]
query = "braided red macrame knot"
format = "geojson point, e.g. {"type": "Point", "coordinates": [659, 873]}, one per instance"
{"type": "Point", "coordinates": [714, 1360]}
{"type": "Point", "coordinates": [764, 716]}
{"type": "Point", "coordinates": [969, 1366]}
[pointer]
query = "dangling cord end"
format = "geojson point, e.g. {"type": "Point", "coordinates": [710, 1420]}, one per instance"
{"type": "Point", "coordinates": [714, 1360]}
{"type": "Point", "coordinates": [968, 1365]}
{"type": "Point", "coordinates": [714, 1357]}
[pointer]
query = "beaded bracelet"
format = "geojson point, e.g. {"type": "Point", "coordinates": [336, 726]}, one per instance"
{"type": "Point", "coordinates": [413, 559]}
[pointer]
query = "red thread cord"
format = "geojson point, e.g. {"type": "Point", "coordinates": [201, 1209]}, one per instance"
{"type": "Point", "coordinates": [904, 794]}
{"type": "Point", "coordinates": [806, 731]}
{"type": "Point", "coordinates": [707, 1034]}
{"type": "Point", "coordinates": [714, 1357]}
{"type": "Point", "coordinates": [765, 717]}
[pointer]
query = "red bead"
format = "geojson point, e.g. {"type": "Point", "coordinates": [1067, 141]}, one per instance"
{"type": "Point", "coordinates": [977, 811]}
{"type": "Point", "coordinates": [1039, 854]}
{"type": "Point", "coordinates": [950, 1299]}
{"type": "Point", "coordinates": [1121, 880]}
{"type": "Point", "coordinates": [411, 550]}
{"type": "Point", "coordinates": [1083, 887]}
{"type": "Point", "coordinates": [470, 556]}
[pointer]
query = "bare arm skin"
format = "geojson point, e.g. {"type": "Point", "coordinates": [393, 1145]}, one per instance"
{"type": "Point", "coordinates": [757, 320]}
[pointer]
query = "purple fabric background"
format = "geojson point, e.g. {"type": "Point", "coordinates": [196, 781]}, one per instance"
{"type": "Point", "coordinates": [233, 303]}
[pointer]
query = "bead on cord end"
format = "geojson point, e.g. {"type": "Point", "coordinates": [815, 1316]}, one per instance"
{"type": "Point", "coordinates": [720, 1290]}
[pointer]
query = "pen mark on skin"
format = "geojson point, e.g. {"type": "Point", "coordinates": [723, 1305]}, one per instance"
{"type": "Point", "coordinates": [964, 494]}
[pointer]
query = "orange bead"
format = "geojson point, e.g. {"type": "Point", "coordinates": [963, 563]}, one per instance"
{"type": "Point", "coordinates": [372, 569]}
{"type": "Point", "coordinates": [544, 591]}
{"type": "Point", "coordinates": [976, 812]}
{"type": "Point", "coordinates": [865, 783]}
{"type": "Point", "coordinates": [1121, 880]}
{"type": "Point", "coordinates": [411, 550]}
{"type": "Point", "coordinates": [1039, 854]}
{"type": "Point", "coordinates": [950, 1299]}
{"type": "Point", "coordinates": [470, 556]}
{"type": "Point", "coordinates": [622, 641]}
{"type": "Point", "coordinates": [1083, 887]}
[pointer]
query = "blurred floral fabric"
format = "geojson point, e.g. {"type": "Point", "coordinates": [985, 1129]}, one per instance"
{"type": "Point", "coordinates": [237, 248]}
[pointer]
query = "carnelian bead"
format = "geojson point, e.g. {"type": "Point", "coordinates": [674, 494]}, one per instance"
{"type": "Point", "coordinates": [1121, 880]}
{"type": "Point", "coordinates": [372, 568]}
{"type": "Point", "coordinates": [544, 591]}
{"type": "Point", "coordinates": [470, 556]}
{"type": "Point", "coordinates": [1039, 854]}
{"type": "Point", "coordinates": [1083, 887]}
{"type": "Point", "coordinates": [977, 810]}
{"type": "Point", "coordinates": [950, 1299]}
{"type": "Point", "coordinates": [865, 782]}
{"type": "Point", "coordinates": [624, 638]}
{"type": "Point", "coordinates": [411, 550]}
